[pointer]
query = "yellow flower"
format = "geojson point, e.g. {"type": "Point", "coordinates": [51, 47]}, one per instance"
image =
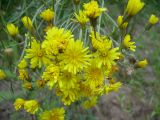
{"type": "Point", "coordinates": [106, 55]}
{"type": "Point", "coordinates": [54, 114]}
{"type": "Point", "coordinates": [75, 57]}
{"type": "Point", "coordinates": [92, 10]}
{"type": "Point", "coordinates": [67, 80]}
{"type": "Point", "coordinates": [128, 44]}
{"type": "Point", "coordinates": [94, 75]}
{"type": "Point", "coordinates": [40, 83]}
{"type": "Point", "coordinates": [12, 29]}
{"type": "Point", "coordinates": [142, 64]}
{"type": "Point", "coordinates": [133, 7]}
{"type": "Point", "coordinates": [100, 42]}
{"type": "Point", "coordinates": [19, 103]}
{"type": "Point", "coordinates": [31, 106]}
{"type": "Point", "coordinates": [51, 75]}
{"type": "Point", "coordinates": [37, 55]}
{"type": "Point", "coordinates": [23, 74]}
{"type": "Point", "coordinates": [27, 22]}
{"type": "Point", "coordinates": [22, 64]}
{"type": "Point", "coordinates": [153, 19]}
{"type": "Point", "coordinates": [47, 15]}
{"type": "Point", "coordinates": [27, 85]}
{"type": "Point", "coordinates": [56, 40]}
{"type": "Point", "coordinates": [81, 18]}
{"type": "Point", "coordinates": [90, 103]}
{"type": "Point", "coordinates": [2, 74]}
{"type": "Point", "coordinates": [121, 22]}
{"type": "Point", "coordinates": [70, 95]}
{"type": "Point", "coordinates": [112, 87]}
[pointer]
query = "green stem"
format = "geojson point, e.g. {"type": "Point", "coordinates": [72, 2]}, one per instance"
{"type": "Point", "coordinates": [100, 18]}
{"type": "Point", "coordinates": [80, 33]}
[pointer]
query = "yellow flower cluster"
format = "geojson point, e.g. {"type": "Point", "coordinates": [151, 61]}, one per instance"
{"type": "Point", "coordinates": [30, 106]}
{"type": "Point", "coordinates": [71, 68]}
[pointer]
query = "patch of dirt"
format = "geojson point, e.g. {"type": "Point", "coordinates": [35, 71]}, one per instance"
{"type": "Point", "coordinates": [123, 106]}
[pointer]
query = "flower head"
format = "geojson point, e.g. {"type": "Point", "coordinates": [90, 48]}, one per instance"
{"type": "Point", "coordinates": [47, 15]}
{"type": "Point", "coordinates": [112, 87]}
{"type": "Point", "coordinates": [133, 7]}
{"type": "Point", "coordinates": [75, 57]}
{"type": "Point", "coordinates": [105, 54]}
{"type": "Point", "coordinates": [12, 29]}
{"type": "Point", "coordinates": [153, 19]}
{"type": "Point", "coordinates": [94, 75]}
{"type": "Point", "coordinates": [81, 18]}
{"type": "Point", "coordinates": [37, 55]}
{"type": "Point", "coordinates": [90, 103]}
{"type": "Point", "coordinates": [31, 106]}
{"type": "Point", "coordinates": [54, 114]}
{"type": "Point", "coordinates": [51, 75]}
{"type": "Point", "coordinates": [22, 64]}
{"type": "Point", "coordinates": [56, 40]}
{"type": "Point", "coordinates": [2, 74]}
{"type": "Point", "coordinates": [121, 22]}
{"type": "Point", "coordinates": [27, 85]}
{"type": "Point", "coordinates": [142, 63]}
{"type": "Point", "coordinates": [27, 22]}
{"type": "Point", "coordinates": [67, 80]}
{"type": "Point", "coordinates": [23, 74]}
{"type": "Point", "coordinates": [92, 10]}
{"type": "Point", "coordinates": [19, 103]}
{"type": "Point", "coordinates": [128, 44]}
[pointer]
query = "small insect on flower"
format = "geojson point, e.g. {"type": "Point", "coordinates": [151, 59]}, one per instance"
{"type": "Point", "coordinates": [2, 75]}
{"type": "Point", "coordinates": [19, 103]}
{"type": "Point", "coordinates": [153, 19]}
{"type": "Point", "coordinates": [54, 114]}
{"type": "Point", "coordinates": [12, 29]}
{"type": "Point", "coordinates": [128, 44]}
{"type": "Point", "coordinates": [27, 22]}
{"type": "Point", "coordinates": [31, 106]}
{"type": "Point", "coordinates": [133, 7]}
{"type": "Point", "coordinates": [47, 15]}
